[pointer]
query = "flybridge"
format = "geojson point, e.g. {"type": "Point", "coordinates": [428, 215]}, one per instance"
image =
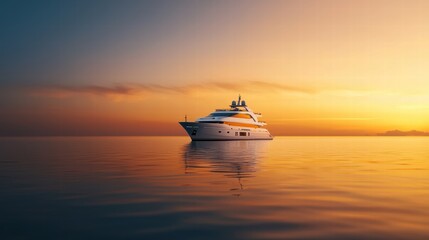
{"type": "Point", "coordinates": [239, 105]}
{"type": "Point", "coordinates": [231, 109]}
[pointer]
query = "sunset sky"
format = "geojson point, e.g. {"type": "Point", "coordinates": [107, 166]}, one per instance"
{"type": "Point", "coordinates": [137, 67]}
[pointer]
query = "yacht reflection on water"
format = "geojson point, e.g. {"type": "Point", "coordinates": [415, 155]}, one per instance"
{"type": "Point", "coordinates": [233, 159]}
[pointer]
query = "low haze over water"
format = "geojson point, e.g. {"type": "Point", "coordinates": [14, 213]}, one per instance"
{"type": "Point", "coordinates": [171, 188]}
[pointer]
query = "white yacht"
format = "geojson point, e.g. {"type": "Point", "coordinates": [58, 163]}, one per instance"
{"type": "Point", "coordinates": [238, 122]}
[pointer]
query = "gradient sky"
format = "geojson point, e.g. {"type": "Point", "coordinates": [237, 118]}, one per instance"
{"type": "Point", "coordinates": [137, 67]}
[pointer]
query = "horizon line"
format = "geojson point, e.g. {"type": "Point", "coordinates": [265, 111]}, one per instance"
{"type": "Point", "coordinates": [374, 135]}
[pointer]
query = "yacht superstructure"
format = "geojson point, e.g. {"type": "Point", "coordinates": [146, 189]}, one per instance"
{"type": "Point", "coordinates": [238, 122]}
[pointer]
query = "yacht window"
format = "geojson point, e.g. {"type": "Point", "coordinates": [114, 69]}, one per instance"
{"type": "Point", "coordinates": [243, 134]}
{"type": "Point", "coordinates": [239, 115]}
{"type": "Point", "coordinates": [236, 133]}
{"type": "Point", "coordinates": [221, 114]}
{"type": "Point", "coordinates": [220, 131]}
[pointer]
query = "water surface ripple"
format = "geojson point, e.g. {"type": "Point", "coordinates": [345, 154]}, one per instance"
{"type": "Point", "coordinates": [171, 188]}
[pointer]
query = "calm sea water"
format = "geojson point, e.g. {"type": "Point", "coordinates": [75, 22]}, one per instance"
{"type": "Point", "coordinates": [171, 188]}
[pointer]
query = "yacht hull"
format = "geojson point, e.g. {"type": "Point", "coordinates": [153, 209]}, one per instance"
{"type": "Point", "coordinates": [222, 132]}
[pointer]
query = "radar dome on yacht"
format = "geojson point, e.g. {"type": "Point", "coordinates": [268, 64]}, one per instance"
{"type": "Point", "coordinates": [233, 103]}
{"type": "Point", "coordinates": [243, 103]}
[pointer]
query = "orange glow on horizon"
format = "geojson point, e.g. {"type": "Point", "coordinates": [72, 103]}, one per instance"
{"type": "Point", "coordinates": [311, 68]}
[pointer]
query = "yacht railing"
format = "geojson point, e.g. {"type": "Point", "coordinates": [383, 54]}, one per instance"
{"type": "Point", "coordinates": [232, 109]}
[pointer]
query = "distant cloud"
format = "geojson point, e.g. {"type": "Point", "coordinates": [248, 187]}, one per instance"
{"type": "Point", "coordinates": [92, 89]}
{"type": "Point", "coordinates": [404, 133]}
{"type": "Point", "coordinates": [258, 86]}
{"type": "Point", "coordinates": [322, 119]}
{"type": "Point", "coordinates": [126, 90]}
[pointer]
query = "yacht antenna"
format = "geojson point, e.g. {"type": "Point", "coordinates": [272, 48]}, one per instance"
{"type": "Point", "coordinates": [239, 99]}
{"type": "Point", "coordinates": [186, 118]}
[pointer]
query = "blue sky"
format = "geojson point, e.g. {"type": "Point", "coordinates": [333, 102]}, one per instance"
{"type": "Point", "coordinates": [49, 41]}
{"type": "Point", "coordinates": [333, 67]}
